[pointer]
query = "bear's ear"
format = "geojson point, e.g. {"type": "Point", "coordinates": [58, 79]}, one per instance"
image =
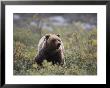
{"type": "Point", "coordinates": [58, 35]}
{"type": "Point", "coordinates": [47, 36]}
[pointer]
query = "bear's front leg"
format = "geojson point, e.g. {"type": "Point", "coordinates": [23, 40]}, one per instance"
{"type": "Point", "coordinates": [61, 58]}
{"type": "Point", "coordinates": [39, 58]}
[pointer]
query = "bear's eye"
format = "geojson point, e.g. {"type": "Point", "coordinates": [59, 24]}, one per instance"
{"type": "Point", "coordinates": [58, 40]}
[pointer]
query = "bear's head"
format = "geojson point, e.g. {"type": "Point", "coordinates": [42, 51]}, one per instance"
{"type": "Point", "coordinates": [53, 41]}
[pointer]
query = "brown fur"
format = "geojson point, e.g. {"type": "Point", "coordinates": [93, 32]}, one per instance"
{"type": "Point", "coordinates": [50, 48]}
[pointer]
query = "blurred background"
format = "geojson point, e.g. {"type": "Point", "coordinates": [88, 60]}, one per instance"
{"type": "Point", "coordinates": [48, 21]}
{"type": "Point", "coordinates": [78, 32]}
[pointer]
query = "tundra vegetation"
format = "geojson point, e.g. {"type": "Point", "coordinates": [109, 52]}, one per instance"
{"type": "Point", "coordinates": [78, 33]}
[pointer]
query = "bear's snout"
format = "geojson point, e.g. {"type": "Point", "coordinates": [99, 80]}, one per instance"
{"type": "Point", "coordinates": [58, 45]}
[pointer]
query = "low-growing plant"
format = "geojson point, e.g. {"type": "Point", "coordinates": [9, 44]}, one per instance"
{"type": "Point", "coordinates": [80, 52]}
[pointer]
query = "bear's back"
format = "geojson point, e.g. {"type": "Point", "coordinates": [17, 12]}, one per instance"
{"type": "Point", "coordinates": [41, 43]}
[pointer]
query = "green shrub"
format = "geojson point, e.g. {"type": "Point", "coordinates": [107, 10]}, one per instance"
{"type": "Point", "coordinates": [80, 52]}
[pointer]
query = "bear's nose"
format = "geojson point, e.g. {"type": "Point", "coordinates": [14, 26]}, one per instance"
{"type": "Point", "coordinates": [59, 44]}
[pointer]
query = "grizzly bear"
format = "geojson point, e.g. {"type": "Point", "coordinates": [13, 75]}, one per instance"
{"type": "Point", "coordinates": [50, 48]}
